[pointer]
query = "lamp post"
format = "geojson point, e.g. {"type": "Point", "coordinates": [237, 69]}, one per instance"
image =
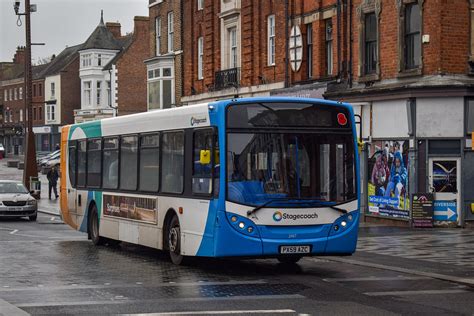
{"type": "Point", "coordinates": [30, 168]}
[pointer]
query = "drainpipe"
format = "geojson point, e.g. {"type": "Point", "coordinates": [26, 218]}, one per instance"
{"type": "Point", "coordinates": [350, 43]}
{"type": "Point", "coordinates": [287, 38]}
{"type": "Point", "coordinates": [339, 39]}
{"type": "Point", "coordinates": [110, 98]}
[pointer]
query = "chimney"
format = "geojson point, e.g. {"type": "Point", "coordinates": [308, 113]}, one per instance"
{"type": "Point", "coordinates": [141, 25]}
{"type": "Point", "coordinates": [114, 28]}
{"type": "Point", "coordinates": [19, 57]}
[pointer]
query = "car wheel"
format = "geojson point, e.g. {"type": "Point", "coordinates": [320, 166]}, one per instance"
{"type": "Point", "coordinates": [289, 259]}
{"type": "Point", "coordinates": [174, 241]}
{"type": "Point", "coordinates": [33, 217]}
{"type": "Point", "coordinates": [94, 227]}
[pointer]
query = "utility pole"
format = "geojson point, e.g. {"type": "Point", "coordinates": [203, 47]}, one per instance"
{"type": "Point", "coordinates": [30, 168]}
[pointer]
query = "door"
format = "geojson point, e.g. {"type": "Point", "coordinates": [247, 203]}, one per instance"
{"type": "Point", "coordinates": [444, 181]}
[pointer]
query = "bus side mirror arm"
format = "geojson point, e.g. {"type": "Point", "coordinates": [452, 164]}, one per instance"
{"type": "Point", "coordinates": [360, 125]}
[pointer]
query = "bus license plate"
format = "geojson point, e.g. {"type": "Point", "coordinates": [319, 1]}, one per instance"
{"type": "Point", "coordinates": [295, 249]}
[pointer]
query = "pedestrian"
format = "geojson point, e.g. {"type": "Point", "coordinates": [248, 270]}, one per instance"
{"type": "Point", "coordinates": [57, 147]}
{"type": "Point", "coordinates": [52, 181]}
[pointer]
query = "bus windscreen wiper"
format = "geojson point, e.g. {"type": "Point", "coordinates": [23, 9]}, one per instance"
{"type": "Point", "coordinates": [250, 212]}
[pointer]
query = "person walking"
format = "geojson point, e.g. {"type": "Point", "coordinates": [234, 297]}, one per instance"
{"type": "Point", "coordinates": [52, 181]}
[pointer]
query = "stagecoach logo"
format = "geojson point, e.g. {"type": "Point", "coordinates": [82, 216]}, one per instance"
{"type": "Point", "coordinates": [197, 120]}
{"type": "Point", "coordinates": [278, 216]}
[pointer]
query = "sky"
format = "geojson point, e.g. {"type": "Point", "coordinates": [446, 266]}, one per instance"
{"type": "Point", "coordinates": [62, 23]}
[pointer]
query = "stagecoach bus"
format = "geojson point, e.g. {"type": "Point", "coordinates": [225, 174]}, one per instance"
{"type": "Point", "coordinates": [251, 177]}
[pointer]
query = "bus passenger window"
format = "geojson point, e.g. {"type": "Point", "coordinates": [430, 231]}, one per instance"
{"type": "Point", "coordinates": [81, 163]}
{"type": "Point", "coordinates": [173, 162]}
{"type": "Point", "coordinates": [110, 164]}
{"type": "Point", "coordinates": [202, 168]}
{"type": "Point", "coordinates": [72, 163]}
{"type": "Point", "coordinates": [128, 162]}
{"type": "Point", "coordinates": [149, 162]}
{"type": "Point", "coordinates": [94, 147]}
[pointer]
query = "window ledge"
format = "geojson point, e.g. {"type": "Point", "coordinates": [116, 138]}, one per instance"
{"type": "Point", "coordinates": [369, 78]}
{"type": "Point", "coordinates": [410, 73]}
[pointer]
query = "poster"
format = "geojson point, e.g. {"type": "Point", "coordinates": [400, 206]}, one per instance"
{"type": "Point", "coordinates": [422, 210]}
{"type": "Point", "coordinates": [130, 207]}
{"type": "Point", "coordinates": [388, 179]}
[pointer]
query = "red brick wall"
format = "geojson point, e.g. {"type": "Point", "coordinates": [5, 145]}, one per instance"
{"type": "Point", "coordinates": [14, 105]}
{"type": "Point", "coordinates": [70, 91]}
{"type": "Point", "coordinates": [38, 102]}
{"type": "Point", "coordinates": [132, 88]}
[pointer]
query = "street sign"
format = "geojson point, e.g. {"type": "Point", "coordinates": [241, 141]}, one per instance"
{"type": "Point", "coordinates": [422, 210]}
{"type": "Point", "coordinates": [445, 211]}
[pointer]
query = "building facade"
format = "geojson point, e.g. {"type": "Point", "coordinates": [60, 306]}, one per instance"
{"type": "Point", "coordinates": [165, 59]}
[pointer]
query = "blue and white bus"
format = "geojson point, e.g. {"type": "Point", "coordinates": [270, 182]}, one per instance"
{"type": "Point", "coordinates": [250, 177]}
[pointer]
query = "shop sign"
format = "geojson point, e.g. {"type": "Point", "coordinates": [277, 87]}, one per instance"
{"type": "Point", "coordinates": [445, 211]}
{"type": "Point", "coordinates": [422, 209]}
{"type": "Point", "coordinates": [388, 179]}
{"type": "Point", "coordinates": [42, 130]}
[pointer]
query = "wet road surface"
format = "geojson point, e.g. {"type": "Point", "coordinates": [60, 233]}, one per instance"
{"type": "Point", "coordinates": [46, 268]}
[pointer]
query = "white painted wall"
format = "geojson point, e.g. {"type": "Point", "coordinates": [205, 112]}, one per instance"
{"type": "Point", "coordinates": [440, 117]}
{"type": "Point", "coordinates": [389, 119]}
{"type": "Point", "coordinates": [57, 96]}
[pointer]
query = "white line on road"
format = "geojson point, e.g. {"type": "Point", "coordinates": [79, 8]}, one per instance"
{"type": "Point", "coordinates": [373, 278]}
{"type": "Point", "coordinates": [420, 292]}
{"type": "Point", "coordinates": [13, 232]}
{"type": "Point", "coordinates": [257, 311]}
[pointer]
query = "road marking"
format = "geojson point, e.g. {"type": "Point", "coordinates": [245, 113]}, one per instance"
{"type": "Point", "coordinates": [13, 232]}
{"type": "Point", "coordinates": [374, 278]}
{"type": "Point", "coordinates": [256, 311]}
{"type": "Point", "coordinates": [444, 277]}
{"type": "Point", "coordinates": [420, 292]}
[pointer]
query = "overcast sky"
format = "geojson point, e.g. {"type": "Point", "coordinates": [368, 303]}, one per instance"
{"type": "Point", "coordinates": [61, 23]}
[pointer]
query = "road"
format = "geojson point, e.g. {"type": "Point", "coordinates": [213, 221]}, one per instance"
{"type": "Point", "coordinates": [48, 269]}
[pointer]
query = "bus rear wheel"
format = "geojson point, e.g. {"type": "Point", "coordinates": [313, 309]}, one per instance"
{"type": "Point", "coordinates": [174, 241]}
{"type": "Point", "coordinates": [289, 259]}
{"type": "Point", "coordinates": [94, 227]}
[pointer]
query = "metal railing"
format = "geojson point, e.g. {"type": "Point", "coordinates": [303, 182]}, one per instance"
{"type": "Point", "coordinates": [227, 78]}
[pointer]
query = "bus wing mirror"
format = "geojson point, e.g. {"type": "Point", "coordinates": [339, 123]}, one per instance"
{"type": "Point", "coordinates": [205, 157]}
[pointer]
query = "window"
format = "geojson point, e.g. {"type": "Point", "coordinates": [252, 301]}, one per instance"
{"type": "Point", "coordinates": [99, 92]}
{"type": "Point", "coordinates": [5, 95]}
{"type": "Point", "coordinates": [21, 93]}
{"type": "Point", "coordinates": [81, 163]}
{"type": "Point", "coordinates": [172, 172]}
{"type": "Point", "coordinates": [109, 100]}
{"type": "Point", "coordinates": [170, 32]}
{"type": "Point", "coordinates": [203, 161]}
{"type": "Point", "coordinates": [21, 115]}
{"type": "Point", "coordinates": [40, 115]}
{"type": "Point", "coordinates": [200, 4]}
{"type": "Point", "coordinates": [160, 88]}
{"type": "Point", "coordinates": [309, 48]}
{"type": "Point", "coordinates": [271, 40]}
{"type": "Point", "coordinates": [50, 115]}
{"type": "Point", "coordinates": [200, 57]}
{"type": "Point", "coordinates": [34, 113]}
{"type": "Point", "coordinates": [110, 163]}
{"type": "Point", "coordinates": [329, 48]}
{"type": "Point", "coordinates": [40, 89]}
{"type": "Point", "coordinates": [53, 90]}
{"type": "Point", "coordinates": [412, 36]}
{"type": "Point", "coordinates": [99, 60]}
{"type": "Point", "coordinates": [87, 93]}
{"type": "Point", "coordinates": [470, 116]}
{"type": "Point", "coordinates": [15, 93]}
{"type": "Point", "coordinates": [94, 147]}
{"type": "Point", "coordinates": [72, 162]}
{"type": "Point", "coordinates": [233, 47]}
{"type": "Point", "coordinates": [10, 91]}
{"type": "Point", "coordinates": [149, 162]}
{"type": "Point", "coordinates": [86, 60]}
{"type": "Point", "coordinates": [128, 162]}
{"type": "Point", "coordinates": [158, 35]}
{"type": "Point", "coordinates": [370, 48]}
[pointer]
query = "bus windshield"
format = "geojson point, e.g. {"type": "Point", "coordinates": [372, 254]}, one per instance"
{"type": "Point", "coordinates": [289, 153]}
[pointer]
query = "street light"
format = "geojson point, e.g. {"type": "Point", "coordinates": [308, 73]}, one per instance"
{"type": "Point", "coordinates": [30, 169]}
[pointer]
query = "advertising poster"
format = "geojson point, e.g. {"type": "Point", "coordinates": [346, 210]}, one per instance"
{"type": "Point", "coordinates": [130, 207]}
{"type": "Point", "coordinates": [422, 209]}
{"type": "Point", "coordinates": [388, 179]}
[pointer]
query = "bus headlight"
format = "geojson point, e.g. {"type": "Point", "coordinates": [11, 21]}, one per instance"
{"type": "Point", "coordinates": [241, 225]}
{"type": "Point", "coordinates": [343, 223]}
{"type": "Point", "coordinates": [233, 219]}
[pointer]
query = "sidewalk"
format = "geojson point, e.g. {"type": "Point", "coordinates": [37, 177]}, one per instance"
{"type": "Point", "coordinates": [44, 204]}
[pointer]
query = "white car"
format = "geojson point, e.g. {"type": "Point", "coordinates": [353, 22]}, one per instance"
{"type": "Point", "coordinates": [16, 201]}
{"type": "Point", "coordinates": [2, 150]}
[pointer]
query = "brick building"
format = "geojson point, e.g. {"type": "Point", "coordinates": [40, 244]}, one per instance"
{"type": "Point", "coordinates": [165, 59]}
{"type": "Point", "coordinates": [112, 72]}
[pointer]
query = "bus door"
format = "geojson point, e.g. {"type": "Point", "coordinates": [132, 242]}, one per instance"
{"type": "Point", "coordinates": [68, 181]}
{"type": "Point", "coordinates": [444, 182]}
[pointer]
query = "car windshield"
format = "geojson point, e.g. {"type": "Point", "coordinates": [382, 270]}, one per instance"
{"type": "Point", "coordinates": [11, 187]}
{"type": "Point", "coordinates": [290, 166]}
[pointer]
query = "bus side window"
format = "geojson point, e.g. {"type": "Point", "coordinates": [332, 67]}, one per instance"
{"type": "Point", "coordinates": [172, 172]}
{"type": "Point", "coordinates": [72, 163]}
{"type": "Point", "coordinates": [81, 163]}
{"type": "Point", "coordinates": [128, 162]}
{"type": "Point", "coordinates": [110, 163]}
{"type": "Point", "coordinates": [203, 161]}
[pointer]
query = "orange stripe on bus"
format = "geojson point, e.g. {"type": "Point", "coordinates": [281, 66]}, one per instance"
{"type": "Point", "coordinates": [64, 198]}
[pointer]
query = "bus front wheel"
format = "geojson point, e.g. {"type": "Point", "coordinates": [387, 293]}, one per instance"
{"type": "Point", "coordinates": [174, 241]}
{"type": "Point", "coordinates": [94, 227]}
